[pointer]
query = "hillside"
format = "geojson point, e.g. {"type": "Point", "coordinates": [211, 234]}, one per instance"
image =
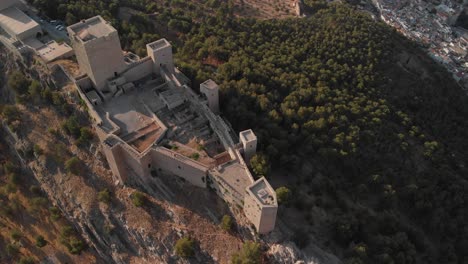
{"type": "Point", "coordinates": [360, 124]}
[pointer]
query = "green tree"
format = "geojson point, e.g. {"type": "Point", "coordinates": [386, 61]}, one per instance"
{"type": "Point", "coordinates": [26, 260]}
{"type": "Point", "coordinates": [260, 165]}
{"type": "Point", "coordinates": [18, 82]}
{"type": "Point", "coordinates": [35, 91]}
{"type": "Point", "coordinates": [11, 113]}
{"type": "Point", "coordinates": [283, 195]}
{"type": "Point", "coordinates": [184, 247]}
{"type": "Point", "coordinates": [40, 241]}
{"type": "Point", "coordinates": [104, 196]}
{"type": "Point", "coordinates": [249, 254]}
{"type": "Point", "coordinates": [227, 223]}
{"type": "Point", "coordinates": [138, 199]}
{"type": "Point", "coordinates": [74, 165]}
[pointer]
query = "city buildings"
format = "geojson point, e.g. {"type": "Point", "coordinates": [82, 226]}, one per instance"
{"type": "Point", "coordinates": [431, 26]}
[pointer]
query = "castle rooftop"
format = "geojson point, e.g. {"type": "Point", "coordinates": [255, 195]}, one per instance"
{"type": "Point", "coordinates": [15, 21]}
{"type": "Point", "coordinates": [89, 29]}
{"type": "Point", "coordinates": [248, 135]}
{"type": "Point", "coordinates": [210, 84]}
{"type": "Point", "coordinates": [162, 43]}
{"type": "Point", "coordinates": [263, 192]}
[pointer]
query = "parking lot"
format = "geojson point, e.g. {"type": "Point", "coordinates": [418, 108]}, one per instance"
{"type": "Point", "coordinates": [49, 25]}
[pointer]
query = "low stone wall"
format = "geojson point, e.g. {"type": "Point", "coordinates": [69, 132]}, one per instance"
{"type": "Point", "coordinates": [140, 69]}
{"type": "Point", "coordinates": [188, 169]}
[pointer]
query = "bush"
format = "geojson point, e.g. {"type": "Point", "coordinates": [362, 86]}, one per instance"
{"type": "Point", "coordinates": [12, 249]}
{"type": "Point", "coordinates": [260, 165]}
{"type": "Point", "coordinates": [184, 247]}
{"type": "Point", "coordinates": [74, 165]}
{"type": "Point", "coordinates": [72, 127]}
{"type": "Point", "coordinates": [86, 135]}
{"type": "Point", "coordinates": [76, 246]}
{"type": "Point", "coordinates": [16, 235]}
{"type": "Point", "coordinates": [35, 190]}
{"type": "Point", "coordinates": [38, 150]}
{"type": "Point", "coordinates": [14, 178]}
{"type": "Point", "coordinates": [18, 82]}
{"type": "Point", "coordinates": [249, 254]}
{"type": "Point", "coordinates": [66, 231]}
{"type": "Point", "coordinates": [138, 199]}
{"type": "Point", "coordinates": [55, 213]}
{"type": "Point", "coordinates": [26, 260]}
{"type": "Point", "coordinates": [40, 241]}
{"type": "Point", "coordinates": [11, 113]}
{"type": "Point", "coordinates": [104, 196]}
{"type": "Point", "coordinates": [37, 203]}
{"type": "Point", "coordinates": [283, 195]}
{"type": "Point", "coordinates": [226, 223]}
{"type": "Point", "coordinates": [195, 156]}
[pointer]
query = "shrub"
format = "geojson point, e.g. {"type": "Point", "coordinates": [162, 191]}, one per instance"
{"type": "Point", "coordinates": [38, 150]}
{"type": "Point", "coordinates": [18, 82]}
{"type": "Point", "coordinates": [185, 247]}
{"type": "Point", "coordinates": [35, 190]}
{"type": "Point", "coordinates": [260, 165]}
{"type": "Point", "coordinates": [16, 235]}
{"type": "Point", "coordinates": [76, 246]}
{"type": "Point", "coordinates": [12, 249]}
{"type": "Point", "coordinates": [104, 196]}
{"type": "Point", "coordinates": [250, 253]}
{"type": "Point", "coordinates": [37, 203]}
{"type": "Point", "coordinates": [40, 241]}
{"type": "Point", "coordinates": [55, 213]}
{"type": "Point", "coordinates": [226, 223]}
{"type": "Point", "coordinates": [74, 165]}
{"type": "Point", "coordinates": [26, 260]}
{"type": "Point", "coordinates": [138, 199]}
{"type": "Point", "coordinates": [283, 195]}
{"type": "Point", "coordinates": [11, 113]}
{"type": "Point", "coordinates": [72, 127]}
{"type": "Point", "coordinates": [66, 231]}
{"type": "Point", "coordinates": [195, 156]}
{"type": "Point", "coordinates": [86, 135]}
{"type": "Point", "coordinates": [14, 178]}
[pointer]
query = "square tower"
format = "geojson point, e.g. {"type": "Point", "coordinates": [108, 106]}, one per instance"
{"type": "Point", "coordinates": [249, 143]}
{"type": "Point", "coordinates": [261, 206]}
{"type": "Point", "coordinates": [160, 52]}
{"type": "Point", "coordinates": [211, 90]}
{"type": "Point", "coordinates": [97, 48]}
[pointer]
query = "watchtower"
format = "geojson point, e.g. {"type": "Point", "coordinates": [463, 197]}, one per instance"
{"type": "Point", "coordinates": [211, 90]}
{"type": "Point", "coordinates": [249, 143]}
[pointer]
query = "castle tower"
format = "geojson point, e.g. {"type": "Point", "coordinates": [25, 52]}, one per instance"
{"type": "Point", "coordinates": [261, 205]}
{"type": "Point", "coordinates": [211, 90]}
{"type": "Point", "coordinates": [249, 143]}
{"type": "Point", "coordinates": [97, 47]}
{"type": "Point", "coordinates": [160, 52]}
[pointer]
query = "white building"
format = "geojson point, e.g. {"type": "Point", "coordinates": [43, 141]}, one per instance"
{"type": "Point", "coordinates": [17, 24]}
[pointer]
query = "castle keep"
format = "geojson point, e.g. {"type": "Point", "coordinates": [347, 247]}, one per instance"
{"type": "Point", "coordinates": [149, 120]}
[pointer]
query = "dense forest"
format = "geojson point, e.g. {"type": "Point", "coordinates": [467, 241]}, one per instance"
{"type": "Point", "coordinates": [333, 91]}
